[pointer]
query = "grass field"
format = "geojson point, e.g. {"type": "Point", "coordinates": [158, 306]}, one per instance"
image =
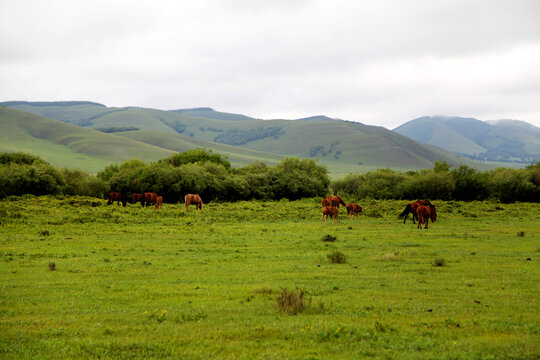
{"type": "Point", "coordinates": [80, 279]}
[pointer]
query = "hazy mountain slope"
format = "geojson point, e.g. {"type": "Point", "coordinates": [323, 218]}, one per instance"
{"type": "Point", "coordinates": [495, 141]}
{"type": "Point", "coordinates": [73, 112]}
{"type": "Point", "coordinates": [67, 145]}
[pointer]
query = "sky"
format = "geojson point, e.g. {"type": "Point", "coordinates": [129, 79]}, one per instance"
{"type": "Point", "coordinates": [378, 62]}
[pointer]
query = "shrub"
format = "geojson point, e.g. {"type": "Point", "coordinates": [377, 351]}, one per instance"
{"type": "Point", "coordinates": [329, 238]}
{"type": "Point", "coordinates": [336, 257]}
{"type": "Point", "coordinates": [52, 266]}
{"type": "Point", "coordinates": [291, 302]}
{"type": "Point", "coordinates": [521, 233]}
{"type": "Point", "coordinates": [438, 262]}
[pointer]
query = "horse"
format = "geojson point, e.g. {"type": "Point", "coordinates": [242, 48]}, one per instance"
{"type": "Point", "coordinates": [424, 213]}
{"type": "Point", "coordinates": [159, 202]}
{"type": "Point", "coordinates": [116, 196]}
{"type": "Point", "coordinates": [353, 210]}
{"type": "Point", "coordinates": [326, 202]}
{"type": "Point", "coordinates": [193, 199]}
{"type": "Point", "coordinates": [150, 198]}
{"type": "Point", "coordinates": [335, 201]}
{"type": "Point", "coordinates": [330, 211]}
{"type": "Point", "coordinates": [135, 198]}
{"type": "Point", "coordinates": [412, 207]}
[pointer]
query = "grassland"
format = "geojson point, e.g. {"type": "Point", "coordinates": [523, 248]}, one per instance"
{"type": "Point", "coordinates": [140, 283]}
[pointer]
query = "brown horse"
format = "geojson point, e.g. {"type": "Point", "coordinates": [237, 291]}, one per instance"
{"type": "Point", "coordinates": [150, 198]}
{"type": "Point", "coordinates": [330, 211]}
{"type": "Point", "coordinates": [336, 201]}
{"type": "Point", "coordinates": [412, 208]}
{"type": "Point", "coordinates": [353, 210]}
{"type": "Point", "coordinates": [424, 213]}
{"type": "Point", "coordinates": [193, 199]}
{"type": "Point", "coordinates": [159, 202]}
{"type": "Point", "coordinates": [116, 196]}
{"type": "Point", "coordinates": [135, 198]}
{"type": "Point", "coordinates": [326, 202]}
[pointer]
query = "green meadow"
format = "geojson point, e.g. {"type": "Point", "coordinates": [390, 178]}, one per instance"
{"type": "Point", "coordinates": [267, 280]}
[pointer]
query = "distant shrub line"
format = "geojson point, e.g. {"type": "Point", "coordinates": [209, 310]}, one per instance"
{"type": "Point", "coordinates": [212, 176]}
{"type": "Point", "coordinates": [443, 183]}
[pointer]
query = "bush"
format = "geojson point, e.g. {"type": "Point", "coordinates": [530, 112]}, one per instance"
{"type": "Point", "coordinates": [336, 257]}
{"type": "Point", "coordinates": [328, 238]}
{"type": "Point", "coordinates": [438, 262]}
{"type": "Point", "coordinates": [291, 302]}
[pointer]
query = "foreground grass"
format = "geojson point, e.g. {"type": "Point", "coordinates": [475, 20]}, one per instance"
{"type": "Point", "coordinates": [140, 283]}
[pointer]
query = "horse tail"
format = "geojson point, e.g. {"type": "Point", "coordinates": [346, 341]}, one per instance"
{"type": "Point", "coordinates": [405, 212]}
{"type": "Point", "coordinates": [348, 209]}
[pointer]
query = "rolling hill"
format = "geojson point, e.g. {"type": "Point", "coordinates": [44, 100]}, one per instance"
{"type": "Point", "coordinates": [342, 146]}
{"type": "Point", "coordinates": [504, 140]}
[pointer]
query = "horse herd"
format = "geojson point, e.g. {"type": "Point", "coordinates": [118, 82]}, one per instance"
{"type": "Point", "coordinates": [151, 198]}
{"type": "Point", "coordinates": [421, 210]}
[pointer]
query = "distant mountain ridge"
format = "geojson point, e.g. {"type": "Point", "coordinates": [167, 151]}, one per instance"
{"type": "Point", "coordinates": [500, 140]}
{"type": "Point", "coordinates": [343, 146]}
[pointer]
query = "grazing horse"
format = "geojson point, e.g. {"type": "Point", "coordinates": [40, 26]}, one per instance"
{"type": "Point", "coordinates": [115, 196]}
{"type": "Point", "coordinates": [353, 210]}
{"type": "Point", "coordinates": [159, 202]}
{"type": "Point", "coordinates": [330, 211]}
{"type": "Point", "coordinates": [193, 199]}
{"type": "Point", "coordinates": [150, 198]}
{"type": "Point", "coordinates": [412, 207]}
{"type": "Point", "coordinates": [336, 201]}
{"type": "Point", "coordinates": [135, 198]}
{"type": "Point", "coordinates": [424, 213]}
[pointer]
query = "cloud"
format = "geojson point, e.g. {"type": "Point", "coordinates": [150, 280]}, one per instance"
{"type": "Point", "coordinates": [378, 62]}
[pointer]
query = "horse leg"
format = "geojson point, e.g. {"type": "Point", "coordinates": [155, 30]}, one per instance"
{"type": "Point", "coordinates": [427, 222]}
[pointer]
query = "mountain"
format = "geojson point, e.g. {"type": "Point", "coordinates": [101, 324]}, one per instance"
{"type": "Point", "coordinates": [502, 140]}
{"type": "Point", "coordinates": [342, 146]}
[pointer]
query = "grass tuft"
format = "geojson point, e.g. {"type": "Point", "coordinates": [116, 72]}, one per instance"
{"type": "Point", "coordinates": [329, 238]}
{"type": "Point", "coordinates": [336, 257]}
{"type": "Point", "coordinates": [521, 233]}
{"type": "Point", "coordinates": [438, 262]}
{"type": "Point", "coordinates": [291, 302]}
{"type": "Point", "coordinates": [52, 266]}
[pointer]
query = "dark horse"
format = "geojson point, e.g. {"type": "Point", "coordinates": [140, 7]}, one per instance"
{"type": "Point", "coordinates": [330, 211]}
{"type": "Point", "coordinates": [150, 198]}
{"type": "Point", "coordinates": [335, 201]}
{"type": "Point", "coordinates": [193, 199]}
{"type": "Point", "coordinates": [353, 210]}
{"type": "Point", "coordinates": [425, 212]}
{"type": "Point", "coordinates": [135, 198]}
{"type": "Point", "coordinates": [115, 196]}
{"type": "Point", "coordinates": [411, 208]}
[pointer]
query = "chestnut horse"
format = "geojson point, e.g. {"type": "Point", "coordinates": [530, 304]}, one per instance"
{"type": "Point", "coordinates": [424, 213]}
{"type": "Point", "coordinates": [193, 199]}
{"type": "Point", "coordinates": [330, 211]}
{"type": "Point", "coordinates": [115, 196]}
{"type": "Point", "coordinates": [353, 210]}
{"type": "Point", "coordinates": [135, 198]}
{"type": "Point", "coordinates": [150, 198]}
{"type": "Point", "coordinates": [412, 207]}
{"type": "Point", "coordinates": [335, 201]}
{"type": "Point", "coordinates": [159, 202]}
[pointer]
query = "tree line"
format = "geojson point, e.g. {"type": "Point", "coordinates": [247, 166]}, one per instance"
{"type": "Point", "coordinates": [212, 176]}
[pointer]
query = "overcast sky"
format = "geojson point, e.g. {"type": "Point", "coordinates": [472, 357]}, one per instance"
{"type": "Point", "coordinates": [380, 62]}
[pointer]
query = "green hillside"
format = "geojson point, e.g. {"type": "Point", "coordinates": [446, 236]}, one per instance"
{"type": "Point", "coordinates": [506, 140]}
{"type": "Point", "coordinates": [342, 146]}
{"type": "Point", "coordinates": [66, 145]}
{"type": "Point", "coordinates": [179, 143]}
